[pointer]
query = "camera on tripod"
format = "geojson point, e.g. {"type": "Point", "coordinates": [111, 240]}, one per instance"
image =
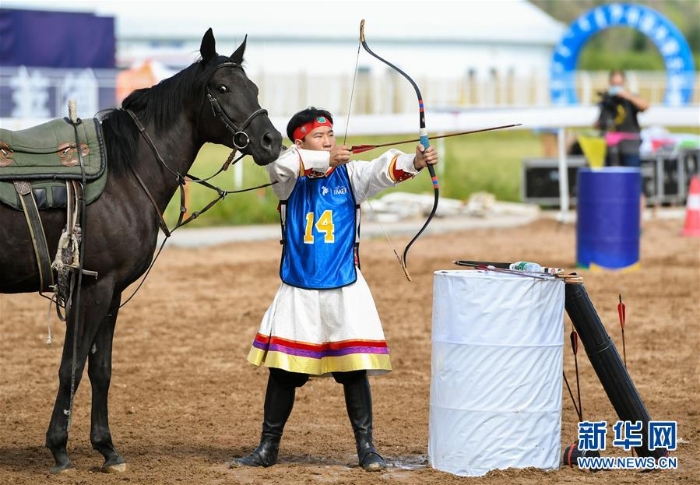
{"type": "Point", "coordinates": [608, 109]}
{"type": "Point", "coordinates": [607, 100]}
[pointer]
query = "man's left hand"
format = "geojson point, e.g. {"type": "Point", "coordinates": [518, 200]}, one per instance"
{"type": "Point", "coordinates": [424, 157]}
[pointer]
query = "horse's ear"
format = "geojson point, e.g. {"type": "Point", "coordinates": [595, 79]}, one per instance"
{"type": "Point", "coordinates": [208, 47]}
{"type": "Point", "coordinates": [237, 56]}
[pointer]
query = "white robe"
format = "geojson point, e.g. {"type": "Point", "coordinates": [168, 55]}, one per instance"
{"type": "Point", "coordinates": [317, 332]}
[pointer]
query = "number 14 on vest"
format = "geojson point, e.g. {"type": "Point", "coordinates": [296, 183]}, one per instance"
{"type": "Point", "coordinates": [324, 225]}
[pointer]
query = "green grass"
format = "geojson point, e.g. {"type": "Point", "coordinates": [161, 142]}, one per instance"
{"type": "Point", "coordinates": [481, 162]}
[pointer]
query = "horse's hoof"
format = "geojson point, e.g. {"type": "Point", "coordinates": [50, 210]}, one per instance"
{"type": "Point", "coordinates": [120, 468]}
{"type": "Point", "coordinates": [373, 462]}
{"type": "Point", "coordinates": [117, 465]}
{"type": "Point", "coordinates": [66, 468]}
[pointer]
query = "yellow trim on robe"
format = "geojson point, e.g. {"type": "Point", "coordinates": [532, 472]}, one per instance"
{"type": "Point", "coordinates": [323, 366]}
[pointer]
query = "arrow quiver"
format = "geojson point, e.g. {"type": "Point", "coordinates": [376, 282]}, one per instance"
{"type": "Point", "coordinates": [608, 365]}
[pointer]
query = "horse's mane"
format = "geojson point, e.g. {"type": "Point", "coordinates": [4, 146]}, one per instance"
{"type": "Point", "coordinates": [160, 104]}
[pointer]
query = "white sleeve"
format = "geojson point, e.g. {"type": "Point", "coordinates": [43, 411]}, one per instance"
{"type": "Point", "coordinates": [284, 171]}
{"type": "Point", "coordinates": [370, 178]}
{"type": "Point", "coordinates": [317, 161]}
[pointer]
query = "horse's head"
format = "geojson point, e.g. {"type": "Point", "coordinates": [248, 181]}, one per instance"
{"type": "Point", "coordinates": [235, 118]}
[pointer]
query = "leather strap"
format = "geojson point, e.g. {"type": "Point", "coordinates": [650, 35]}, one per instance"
{"type": "Point", "coordinates": [161, 220]}
{"type": "Point", "coordinates": [36, 230]}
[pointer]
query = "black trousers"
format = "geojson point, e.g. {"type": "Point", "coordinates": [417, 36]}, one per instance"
{"type": "Point", "coordinates": [289, 380]}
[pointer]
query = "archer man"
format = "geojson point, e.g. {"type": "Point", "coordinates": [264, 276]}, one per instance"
{"type": "Point", "coordinates": [323, 320]}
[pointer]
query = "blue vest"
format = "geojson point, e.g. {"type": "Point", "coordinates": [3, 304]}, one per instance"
{"type": "Point", "coordinates": [320, 232]}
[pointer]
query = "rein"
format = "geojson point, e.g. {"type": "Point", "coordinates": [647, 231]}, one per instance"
{"type": "Point", "coordinates": [181, 179]}
{"type": "Point", "coordinates": [181, 182]}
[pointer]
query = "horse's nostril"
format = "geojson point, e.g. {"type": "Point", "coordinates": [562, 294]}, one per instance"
{"type": "Point", "coordinates": [267, 140]}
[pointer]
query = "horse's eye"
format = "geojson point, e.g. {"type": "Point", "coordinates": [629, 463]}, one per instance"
{"type": "Point", "coordinates": [222, 89]}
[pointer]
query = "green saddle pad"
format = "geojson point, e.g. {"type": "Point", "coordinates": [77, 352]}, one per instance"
{"type": "Point", "coordinates": [47, 155]}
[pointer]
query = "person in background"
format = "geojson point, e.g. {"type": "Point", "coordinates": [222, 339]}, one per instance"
{"type": "Point", "coordinates": [323, 320]}
{"type": "Point", "coordinates": [618, 121]}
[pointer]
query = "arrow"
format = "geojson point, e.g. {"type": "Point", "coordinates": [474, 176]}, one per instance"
{"type": "Point", "coordinates": [366, 148]}
{"type": "Point", "coordinates": [622, 315]}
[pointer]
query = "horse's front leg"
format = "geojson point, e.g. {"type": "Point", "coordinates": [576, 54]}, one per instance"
{"type": "Point", "coordinates": [94, 303]}
{"type": "Point", "coordinates": [100, 373]}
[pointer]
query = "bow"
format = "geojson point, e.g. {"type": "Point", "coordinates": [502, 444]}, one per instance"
{"type": "Point", "coordinates": [424, 140]}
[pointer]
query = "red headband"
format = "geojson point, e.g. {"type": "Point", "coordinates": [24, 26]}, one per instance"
{"type": "Point", "coordinates": [307, 128]}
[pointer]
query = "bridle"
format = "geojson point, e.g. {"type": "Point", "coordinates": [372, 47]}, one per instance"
{"type": "Point", "coordinates": [240, 138]}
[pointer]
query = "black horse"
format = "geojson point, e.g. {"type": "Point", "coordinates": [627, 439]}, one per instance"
{"type": "Point", "coordinates": [210, 101]}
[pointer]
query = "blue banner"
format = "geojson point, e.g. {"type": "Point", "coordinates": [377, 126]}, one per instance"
{"type": "Point", "coordinates": [35, 38]}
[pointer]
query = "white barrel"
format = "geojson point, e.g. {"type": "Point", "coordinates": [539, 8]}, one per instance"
{"type": "Point", "coordinates": [496, 386]}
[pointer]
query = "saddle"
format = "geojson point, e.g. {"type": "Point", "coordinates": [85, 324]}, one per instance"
{"type": "Point", "coordinates": [46, 156]}
{"type": "Point", "coordinates": [54, 165]}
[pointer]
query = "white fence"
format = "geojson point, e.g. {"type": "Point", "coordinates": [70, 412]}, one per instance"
{"type": "Point", "coordinates": [43, 93]}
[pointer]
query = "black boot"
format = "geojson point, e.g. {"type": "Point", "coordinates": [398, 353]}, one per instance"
{"type": "Point", "coordinates": [279, 400]}
{"type": "Point", "coordinates": [358, 400]}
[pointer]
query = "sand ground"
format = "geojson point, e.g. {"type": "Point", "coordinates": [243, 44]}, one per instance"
{"type": "Point", "coordinates": [184, 400]}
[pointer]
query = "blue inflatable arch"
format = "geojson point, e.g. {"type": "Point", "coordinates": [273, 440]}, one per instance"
{"type": "Point", "coordinates": [668, 39]}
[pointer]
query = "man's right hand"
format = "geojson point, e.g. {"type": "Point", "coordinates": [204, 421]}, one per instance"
{"type": "Point", "coordinates": [340, 155]}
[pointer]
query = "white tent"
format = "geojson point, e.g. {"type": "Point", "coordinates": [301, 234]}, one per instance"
{"type": "Point", "coordinates": [478, 36]}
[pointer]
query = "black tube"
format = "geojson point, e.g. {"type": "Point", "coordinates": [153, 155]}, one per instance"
{"type": "Point", "coordinates": [607, 364]}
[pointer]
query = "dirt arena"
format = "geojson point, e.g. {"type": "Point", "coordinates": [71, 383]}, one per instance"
{"type": "Point", "coordinates": [184, 400]}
